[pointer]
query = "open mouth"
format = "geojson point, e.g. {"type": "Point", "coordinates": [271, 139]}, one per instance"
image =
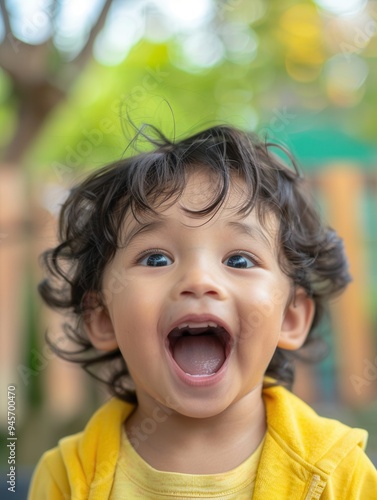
{"type": "Point", "coordinates": [199, 350]}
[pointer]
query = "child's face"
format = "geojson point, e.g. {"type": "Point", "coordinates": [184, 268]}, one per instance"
{"type": "Point", "coordinates": [221, 272]}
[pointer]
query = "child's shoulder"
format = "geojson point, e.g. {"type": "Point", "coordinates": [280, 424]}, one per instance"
{"type": "Point", "coordinates": [298, 429]}
{"type": "Point", "coordinates": [306, 452]}
{"type": "Point", "coordinates": [83, 460]}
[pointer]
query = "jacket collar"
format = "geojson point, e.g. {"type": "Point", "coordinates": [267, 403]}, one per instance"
{"type": "Point", "coordinates": [296, 458]}
{"type": "Point", "coordinates": [96, 451]}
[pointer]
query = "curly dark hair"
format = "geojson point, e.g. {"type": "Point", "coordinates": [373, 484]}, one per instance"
{"type": "Point", "coordinates": [310, 254]}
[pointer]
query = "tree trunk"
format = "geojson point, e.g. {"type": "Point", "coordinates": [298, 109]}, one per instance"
{"type": "Point", "coordinates": [35, 105]}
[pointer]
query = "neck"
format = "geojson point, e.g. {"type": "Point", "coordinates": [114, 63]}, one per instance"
{"type": "Point", "coordinates": [211, 445]}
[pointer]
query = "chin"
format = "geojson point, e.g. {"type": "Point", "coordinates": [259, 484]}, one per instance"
{"type": "Point", "coordinates": [202, 408]}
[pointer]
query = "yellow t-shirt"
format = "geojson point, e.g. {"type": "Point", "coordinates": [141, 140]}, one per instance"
{"type": "Point", "coordinates": [135, 479]}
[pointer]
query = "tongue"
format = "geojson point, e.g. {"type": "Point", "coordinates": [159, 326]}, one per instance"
{"type": "Point", "coordinates": [199, 354]}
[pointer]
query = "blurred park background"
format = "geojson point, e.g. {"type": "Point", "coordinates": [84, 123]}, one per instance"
{"type": "Point", "coordinates": [302, 73]}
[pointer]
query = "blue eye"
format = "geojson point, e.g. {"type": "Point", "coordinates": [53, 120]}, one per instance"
{"type": "Point", "coordinates": [239, 261]}
{"type": "Point", "coordinates": [156, 260]}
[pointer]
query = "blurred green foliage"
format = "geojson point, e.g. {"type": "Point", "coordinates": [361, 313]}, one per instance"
{"type": "Point", "coordinates": [258, 65]}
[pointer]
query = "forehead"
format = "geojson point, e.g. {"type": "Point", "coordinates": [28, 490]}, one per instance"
{"type": "Point", "coordinates": [199, 192]}
{"type": "Point", "coordinates": [202, 187]}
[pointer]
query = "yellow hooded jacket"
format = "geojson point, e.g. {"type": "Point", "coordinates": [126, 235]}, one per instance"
{"type": "Point", "coordinates": [304, 456]}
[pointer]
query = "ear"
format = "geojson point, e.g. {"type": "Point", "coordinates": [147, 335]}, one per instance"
{"type": "Point", "coordinates": [297, 321]}
{"type": "Point", "coordinates": [98, 325]}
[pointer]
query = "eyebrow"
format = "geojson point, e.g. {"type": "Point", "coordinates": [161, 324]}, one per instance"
{"type": "Point", "coordinates": [142, 228]}
{"type": "Point", "coordinates": [253, 231]}
{"type": "Point", "coordinates": [242, 228]}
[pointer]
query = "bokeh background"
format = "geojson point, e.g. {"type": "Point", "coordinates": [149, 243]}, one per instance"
{"type": "Point", "coordinates": [302, 73]}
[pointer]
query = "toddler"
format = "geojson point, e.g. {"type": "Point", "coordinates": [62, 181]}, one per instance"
{"type": "Point", "coordinates": [194, 273]}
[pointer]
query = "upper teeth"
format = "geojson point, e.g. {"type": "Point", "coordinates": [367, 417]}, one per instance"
{"type": "Point", "coordinates": [198, 325]}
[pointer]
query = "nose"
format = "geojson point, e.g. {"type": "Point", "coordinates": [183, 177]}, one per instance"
{"type": "Point", "coordinates": [199, 277]}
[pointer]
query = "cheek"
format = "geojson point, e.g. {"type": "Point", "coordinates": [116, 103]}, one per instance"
{"type": "Point", "coordinates": [264, 317]}
{"type": "Point", "coordinates": [261, 320]}
{"type": "Point", "coordinates": [134, 317]}
{"type": "Point", "coordinates": [259, 333]}
{"type": "Point", "coordinates": [130, 303]}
